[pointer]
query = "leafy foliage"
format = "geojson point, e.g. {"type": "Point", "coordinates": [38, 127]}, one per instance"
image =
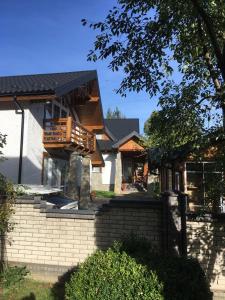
{"type": "Point", "coordinates": [182, 278]}
{"type": "Point", "coordinates": [2, 142]}
{"type": "Point", "coordinates": [113, 275]}
{"type": "Point", "coordinates": [7, 196]}
{"type": "Point", "coordinates": [169, 129]}
{"type": "Point", "coordinates": [115, 114]}
{"type": "Point", "coordinates": [12, 276]}
{"type": "Point", "coordinates": [150, 39]}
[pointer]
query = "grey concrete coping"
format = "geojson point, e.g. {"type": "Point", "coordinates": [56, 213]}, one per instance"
{"type": "Point", "coordinates": [87, 214]}
{"type": "Point", "coordinates": [70, 214]}
{"type": "Point", "coordinates": [40, 204]}
{"type": "Point", "coordinates": [28, 200]}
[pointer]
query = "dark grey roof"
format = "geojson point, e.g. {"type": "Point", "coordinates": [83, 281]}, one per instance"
{"type": "Point", "coordinates": [105, 145]}
{"type": "Point", "coordinates": [122, 127]}
{"type": "Point", "coordinates": [121, 130]}
{"type": "Point", "coordinates": [53, 83]}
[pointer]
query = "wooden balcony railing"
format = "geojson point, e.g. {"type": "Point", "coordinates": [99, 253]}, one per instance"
{"type": "Point", "coordinates": [65, 132]}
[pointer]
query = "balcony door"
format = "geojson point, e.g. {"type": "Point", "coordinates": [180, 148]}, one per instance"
{"type": "Point", "coordinates": [56, 109]}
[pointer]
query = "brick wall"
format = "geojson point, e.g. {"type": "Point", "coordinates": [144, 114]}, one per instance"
{"type": "Point", "coordinates": [52, 241]}
{"type": "Point", "coordinates": [206, 242]}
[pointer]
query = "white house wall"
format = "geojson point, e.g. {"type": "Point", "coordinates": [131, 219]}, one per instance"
{"type": "Point", "coordinates": [105, 179]}
{"type": "Point", "coordinates": [32, 166]}
{"type": "Point", "coordinates": [108, 172]}
{"type": "Point", "coordinates": [10, 124]}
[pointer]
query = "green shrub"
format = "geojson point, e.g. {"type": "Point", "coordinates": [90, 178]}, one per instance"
{"type": "Point", "coordinates": [12, 276]}
{"type": "Point", "coordinates": [113, 275]}
{"type": "Point", "coordinates": [182, 278]}
{"type": "Point", "coordinates": [7, 195]}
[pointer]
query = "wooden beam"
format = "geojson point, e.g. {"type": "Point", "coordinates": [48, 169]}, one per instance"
{"type": "Point", "coordinates": [97, 163]}
{"type": "Point", "coordinates": [93, 98]}
{"type": "Point", "coordinates": [93, 127]}
{"type": "Point", "coordinates": [56, 145]}
{"type": "Point", "coordinates": [29, 98]}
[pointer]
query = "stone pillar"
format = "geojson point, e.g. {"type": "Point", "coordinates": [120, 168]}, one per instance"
{"type": "Point", "coordinates": [118, 174]}
{"type": "Point", "coordinates": [174, 219]}
{"type": "Point", "coordinates": [74, 176]}
{"type": "Point", "coordinates": [85, 189]}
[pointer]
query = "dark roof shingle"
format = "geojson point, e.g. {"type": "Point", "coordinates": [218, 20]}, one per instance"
{"type": "Point", "coordinates": [57, 83]}
{"type": "Point", "coordinates": [122, 127]}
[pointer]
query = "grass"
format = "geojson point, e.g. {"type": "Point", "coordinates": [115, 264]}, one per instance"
{"type": "Point", "coordinates": [30, 289]}
{"type": "Point", "coordinates": [104, 194]}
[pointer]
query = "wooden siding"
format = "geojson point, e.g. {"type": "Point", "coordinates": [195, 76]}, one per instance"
{"type": "Point", "coordinates": [131, 145]}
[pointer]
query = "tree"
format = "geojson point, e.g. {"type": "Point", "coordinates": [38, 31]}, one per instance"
{"type": "Point", "coordinates": [172, 129]}
{"type": "Point", "coordinates": [2, 142]}
{"type": "Point", "coordinates": [115, 114]}
{"type": "Point", "coordinates": [7, 195]}
{"type": "Point", "coordinates": [147, 38]}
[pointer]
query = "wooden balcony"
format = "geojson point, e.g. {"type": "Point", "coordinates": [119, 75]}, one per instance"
{"type": "Point", "coordinates": [68, 134]}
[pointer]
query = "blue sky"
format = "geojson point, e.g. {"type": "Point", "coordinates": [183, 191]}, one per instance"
{"type": "Point", "coordinates": [43, 36]}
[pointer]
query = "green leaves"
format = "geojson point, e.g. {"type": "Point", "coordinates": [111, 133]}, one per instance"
{"type": "Point", "coordinates": [145, 38]}
{"type": "Point", "coordinates": [2, 142]}
{"type": "Point", "coordinates": [7, 195]}
{"type": "Point", "coordinates": [113, 275]}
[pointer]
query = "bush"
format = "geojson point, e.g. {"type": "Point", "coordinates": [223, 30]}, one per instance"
{"type": "Point", "coordinates": [182, 278]}
{"type": "Point", "coordinates": [113, 275]}
{"type": "Point", "coordinates": [7, 195]}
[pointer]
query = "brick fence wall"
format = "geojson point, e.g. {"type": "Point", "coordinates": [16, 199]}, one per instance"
{"type": "Point", "coordinates": [50, 241]}
{"type": "Point", "coordinates": [206, 242]}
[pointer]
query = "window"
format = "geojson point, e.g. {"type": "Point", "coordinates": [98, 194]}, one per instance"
{"type": "Point", "coordinates": [96, 169]}
{"type": "Point", "coordinates": [48, 110]}
{"type": "Point", "coordinates": [202, 178]}
{"type": "Point", "coordinates": [99, 136]}
{"type": "Point", "coordinates": [63, 113]}
{"type": "Point", "coordinates": [56, 111]}
{"type": "Point", "coordinates": [55, 172]}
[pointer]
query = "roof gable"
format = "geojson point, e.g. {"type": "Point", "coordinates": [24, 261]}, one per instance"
{"type": "Point", "coordinates": [130, 145]}
{"type": "Point", "coordinates": [130, 136]}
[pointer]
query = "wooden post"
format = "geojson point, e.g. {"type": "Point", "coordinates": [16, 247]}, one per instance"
{"type": "Point", "coordinates": [94, 143]}
{"type": "Point", "coordinates": [68, 129]}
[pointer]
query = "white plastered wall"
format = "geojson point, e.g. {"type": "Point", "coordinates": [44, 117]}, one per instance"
{"type": "Point", "coordinates": [108, 172]}
{"type": "Point", "coordinates": [10, 124]}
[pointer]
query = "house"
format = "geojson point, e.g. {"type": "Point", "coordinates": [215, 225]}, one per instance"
{"type": "Point", "coordinates": [125, 161]}
{"type": "Point", "coordinates": [198, 176]}
{"type": "Point", "coordinates": [51, 122]}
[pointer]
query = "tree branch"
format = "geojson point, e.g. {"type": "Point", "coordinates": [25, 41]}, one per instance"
{"type": "Point", "coordinates": [208, 23]}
